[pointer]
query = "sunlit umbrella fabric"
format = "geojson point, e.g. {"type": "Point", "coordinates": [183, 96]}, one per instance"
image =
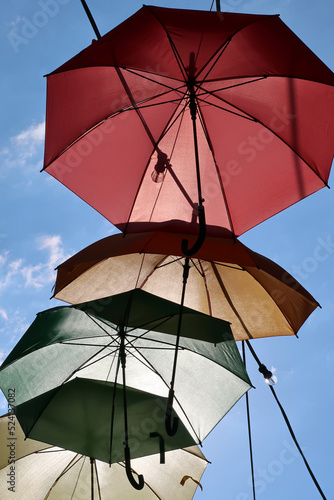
{"type": "Point", "coordinates": [226, 280]}
{"type": "Point", "coordinates": [42, 471]}
{"type": "Point", "coordinates": [119, 128]}
{"type": "Point", "coordinates": [65, 373]}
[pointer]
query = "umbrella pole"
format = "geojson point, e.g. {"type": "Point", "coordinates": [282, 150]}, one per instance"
{"type": "Point", "coordinates": [171, 429]}
{"type": "Point", "coordinates": [92, 476]}
{"type": "Point", "coordinates": [201, 212]}
{"type": "Point", "coordinates": [266, 373]}
{"type": "Point", "coordinates": [133, 482]}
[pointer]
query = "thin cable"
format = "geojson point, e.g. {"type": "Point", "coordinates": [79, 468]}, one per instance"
{"type": "Point", "coordinates": [249, 426]}
{"type": "Point", "coordinates": [91, 19]}
{"type": "Point", "coordinates": [296, 443]}
{"type": "Point", "coordinates": [289, 426]}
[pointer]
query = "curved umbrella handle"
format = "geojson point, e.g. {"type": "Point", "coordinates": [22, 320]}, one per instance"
{"type": "Point", "coordinates": [140, 484]}
{"type": "Point", "coordinates": [171, 428]}
{"type": "Point", "coordinates": [201, 237]}
{"type": "Point", "coordinates": [161, 445]}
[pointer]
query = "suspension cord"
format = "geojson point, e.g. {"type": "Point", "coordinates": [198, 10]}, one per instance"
{"type": "Point", "coordinates": [91, 19]}
{"type": "Point", "coordinates": [249, 426]}
{"type": "Point", "coordinates": [288, 425]}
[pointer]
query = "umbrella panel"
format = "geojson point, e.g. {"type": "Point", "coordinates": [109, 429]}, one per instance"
{"type": "Point", "coordinates": [79, 416]}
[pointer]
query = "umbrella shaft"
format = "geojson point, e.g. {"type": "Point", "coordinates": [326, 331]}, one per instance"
{"type": "Point", "coordinates": [92, 476]}
{"type": "Point", "coordinates": [123, 363]}
{"type": "Point", "coordinates": [186, 268]}
{"type": "Point", "coordinates": [193, 112]}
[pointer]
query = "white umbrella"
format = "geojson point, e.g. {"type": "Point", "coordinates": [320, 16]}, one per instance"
{"type": "Point", "coordinates": [37, 471]}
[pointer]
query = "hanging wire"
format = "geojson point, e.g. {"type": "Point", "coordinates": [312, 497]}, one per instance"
{"type": "Point", "coordinates": [249, 426]}
{"type": "Point", "coordinates": [288, 425]}
{"type": "Point", "coordinates": [91, 19]}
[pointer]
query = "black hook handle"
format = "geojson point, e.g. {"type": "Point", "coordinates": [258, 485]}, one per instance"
{"type": "Point", "coordinates": [161, 445]}
{"type": "Point", "coordinates": [133, 482]}
{"type": "Point", "coordinates": [171, 428]}
{"type": "Point", "coordinates": [201, 237]}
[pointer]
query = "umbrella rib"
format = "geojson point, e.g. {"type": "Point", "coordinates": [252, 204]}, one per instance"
{"type": "Point", "coordinates": [224, 45]}
{"type": "Point", "coordinates": [148, 364]}
{"type": "Point", "coordinates": [78, 368]}
{"type": "Point", "coordinates": [229, 300]}
{"type": "Point", "coordinates": [77, 480]}
{"type": "Point", "coordinates": [206, 287]}
{"type": "Point", "coordinates": [174, 49]}
{"type": "Point", "coordinates": [139, 105]}
{"type": "Point", "coordinates": [169, 166]}
{"type": "Point", "coordinates": [71, 464]}
{"type": "Point", "coordinates": [267, 127]}
{"type": "Point", "coordinates": [169, 124]}
{"type": "Point", "coordinates": [216, 55]}
{"type": "Point", "coordinates": [142, 75]}
{"type": "Point", "coordinates": [242, 114]}
{"type": "Point", "coordinates": [157, 266]}
{"type": "Point", "coordinates": [140, 326]}
{"type": "Point", "coordinates": [97, 480]}
{"type": "Point", "coordinates": [221, 184]}
{"type": "Point", "coordinates": [222, 264]}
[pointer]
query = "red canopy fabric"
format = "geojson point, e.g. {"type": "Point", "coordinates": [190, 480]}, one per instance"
{"type": "Point", "coordinates": [265, 128]}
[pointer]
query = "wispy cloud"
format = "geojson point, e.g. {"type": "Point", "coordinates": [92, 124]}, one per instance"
{"type": "Point", "coordinates": [33, 136]}
{"type": "Point", "coordinates": [20, 273]}
{"type": "Point", "coordinates": [3, 314]}
{"type": "Point", "coordinates": [13, 324]}
{"type": "Point", "coordinates": [23, 147]}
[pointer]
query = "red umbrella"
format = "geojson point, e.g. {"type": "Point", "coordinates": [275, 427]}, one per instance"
{"type": "Point", "coordinates": [176, 110]}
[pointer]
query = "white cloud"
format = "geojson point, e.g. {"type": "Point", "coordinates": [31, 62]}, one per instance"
{"type": "Point", "coordinates": [17, 272]}
{"type": "Point", "coordinates": [3, 314]}
{"type": "Point", "coordinates": [24, 147]}
{"type": "Point", "coordinates": [3, 257]}
{"type": "Point", "coordinates": [33, 136]}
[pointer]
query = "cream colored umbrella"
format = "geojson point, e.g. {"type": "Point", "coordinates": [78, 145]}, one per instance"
{"type": "Point", "coordinates": [226, 280]}
{"type": "Point", "coordinates": [34, 470]}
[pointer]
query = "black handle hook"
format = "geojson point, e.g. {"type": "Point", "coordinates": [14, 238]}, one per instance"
{"type": "Point", "coordinates": [161, 445]}
{"type": "Point", "coordinates": [201, 237]}
{"type": "Point", "coordinates": [171, 428]}
{"type": "Point", "coordinates": [133, 482]}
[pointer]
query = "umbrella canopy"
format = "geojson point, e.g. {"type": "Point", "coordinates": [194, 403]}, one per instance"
{"type": "Point", "coordinates": [226, 280]}
{"type": "Point", "coordinates": [174, 111]}
{"type": "Point", "coordinates": [41, 471]}
{"type": "Point", "coordinates": [68, 392]}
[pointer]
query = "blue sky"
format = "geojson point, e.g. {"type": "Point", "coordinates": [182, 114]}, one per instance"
{"type": "Point", "coordinates": [42, 223]}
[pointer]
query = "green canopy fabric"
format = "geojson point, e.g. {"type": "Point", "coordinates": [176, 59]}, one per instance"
{"type": "Point", "coordinates": [78, 416]}
{"type": "Point", "coordinates": [65, 374]}
{"type": "Point", "coordinates": [42, 471]}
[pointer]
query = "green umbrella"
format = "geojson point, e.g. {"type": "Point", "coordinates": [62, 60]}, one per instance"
{"type": "Point", "coordinates": [39, 471]}
{"type": "Point", "coordinates": [63, 376]}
